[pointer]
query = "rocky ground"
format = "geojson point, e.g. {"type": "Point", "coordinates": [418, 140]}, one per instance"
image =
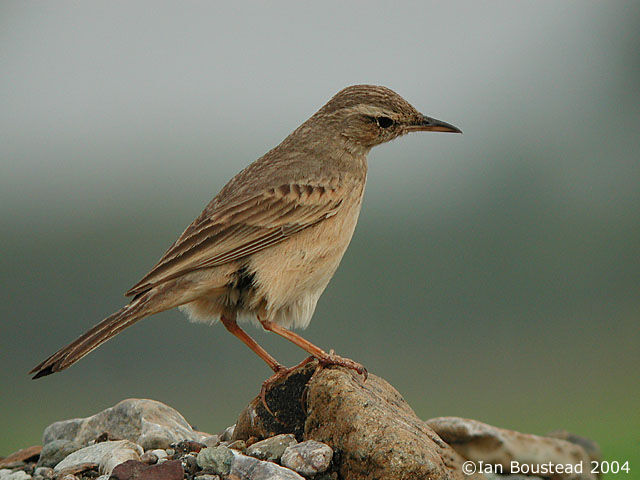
{"type": "Point", "coordinates": [321, 425]}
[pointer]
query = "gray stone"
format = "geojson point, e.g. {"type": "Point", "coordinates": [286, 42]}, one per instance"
{"type": "Point", "coordinates": [207, 477]}
{"type": "Point", "coordinates": [212, 441]}
{"type": "Point", "coordinates": [44, 472]}
{"type": "Point", "coordinates": [308, 458]}
{"type": "Point", "coordinates": [56, 451]}
{"type": "Point", "coordinates": [148, 458]}
{"type": "Point", "coordinates": [152, 457]}
{"type": "Point", "coordinates": [216, 459]}
{"type": "Point", "coordinates": [244, 467]}
{"type": "Point", "coordinates": [271, 449]}
{"type": "Point", "coordinates": [148, 423]}
{"type": "Point", "coordinates": [227, 434]}
{"type": "Point", "coordinates": [478, 441]}
{"type": "Point", "coordinates": [106, 454]}
{"type": "Point", "coordinates": [159, 453]}
{"type": "Point", "coordinates": [17, 475]}
{"type": "Point", "coordinates": [5, 472]}
{"type": "Point", "coordinates": [240, 445]}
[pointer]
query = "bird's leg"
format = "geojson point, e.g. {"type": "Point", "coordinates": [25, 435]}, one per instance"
{"type": "Point", "coordinates": [232, 326]}
{"type": "Point", "coordinates": [323, 357]}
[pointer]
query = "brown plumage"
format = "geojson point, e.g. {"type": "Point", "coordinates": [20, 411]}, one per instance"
{"type": "Point", "coordinates": [267, 245]}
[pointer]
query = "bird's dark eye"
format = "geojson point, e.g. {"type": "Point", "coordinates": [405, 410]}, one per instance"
{"type": "Point", "coordinates": [384, 122]}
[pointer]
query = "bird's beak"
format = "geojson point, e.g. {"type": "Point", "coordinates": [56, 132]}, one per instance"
{"type": "Point", "coordinates": [428, 124]}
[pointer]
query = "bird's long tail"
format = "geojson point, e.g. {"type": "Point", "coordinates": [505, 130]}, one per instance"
{"type": "Point", "coordinates": [92, 339]}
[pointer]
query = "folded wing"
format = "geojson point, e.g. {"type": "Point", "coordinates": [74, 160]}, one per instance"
{"type": "Point", "coordinates": [231, 232]}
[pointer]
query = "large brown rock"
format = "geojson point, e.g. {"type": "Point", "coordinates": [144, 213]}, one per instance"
{"type": "Point", "coordinates": [372, 430]}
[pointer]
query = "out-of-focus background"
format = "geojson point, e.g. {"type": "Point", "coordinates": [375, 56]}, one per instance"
{"type": "Point", "coordinates": [493, 275]}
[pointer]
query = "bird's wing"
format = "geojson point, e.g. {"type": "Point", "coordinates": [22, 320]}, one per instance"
{"type": "Point", "coordinates": [230, 232]}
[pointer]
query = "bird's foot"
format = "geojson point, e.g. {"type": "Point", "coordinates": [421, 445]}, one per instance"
{"type": "Point", "coordinates": [325, 360]}
{"type": "Point", "coordinates": [280, 373]}
{"type": "Point", "coordinates": [332, 359]}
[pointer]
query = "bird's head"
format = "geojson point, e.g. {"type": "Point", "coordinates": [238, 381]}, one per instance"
{"type": "Point", "coordinates": [369, 115]}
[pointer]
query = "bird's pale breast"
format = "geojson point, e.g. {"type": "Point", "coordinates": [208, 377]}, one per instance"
{"type": "Point", "coordinates": [291, 276]}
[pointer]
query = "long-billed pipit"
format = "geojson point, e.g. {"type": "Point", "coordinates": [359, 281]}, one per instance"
{"type": "Point", "coordinates": [267, 245]}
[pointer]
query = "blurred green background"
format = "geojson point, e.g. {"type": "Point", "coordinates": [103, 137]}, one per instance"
{"type": "Point", "coordinates": [493, 275]}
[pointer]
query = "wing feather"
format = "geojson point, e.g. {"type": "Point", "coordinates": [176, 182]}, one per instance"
{"type": "Point", "coordinates": [231, 232]}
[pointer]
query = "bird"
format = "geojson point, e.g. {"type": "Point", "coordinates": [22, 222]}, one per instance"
{"type": "Point", "coordinates": [269, 242]}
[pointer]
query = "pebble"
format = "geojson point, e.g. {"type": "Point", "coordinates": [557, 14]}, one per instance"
{"type": "Point", "coordinates": [68, 476]}
{"type": "Point", "coordinates": [190, 464]}
{"type": "Point", "coordinates": [106, 454]}
{"type": "Point", "coordinates": [244, 467]}
{"type": "Point", "coordinates": [132, 469]}
{"type": "Point", "coordinates": [148, 423]}
{"type": "Point", "coordinates": [240, 445]}
{"type": "Point", "coordinates": [271, 449]}
{"type": "Point", "coordinates": [44, 472]}
{"type": "Point", "coordinates": [308, 458]}
{"type": "Point", "coordinates": [212, 441]}
{"type": "Point", "coordinates": [227, 435]}
{"type": "Point", "coordinates": [148, 458]}
{"type": "Point", "coordinates": [153, 456]}
{"type": "Point", "coordinates": [6, 474]}
{"type": "Point", "coordinates": [159, 453]}
{"type": "Point", "coordinates": [216, 459]}
{"type": "Point", "coordinates": [56, 451]}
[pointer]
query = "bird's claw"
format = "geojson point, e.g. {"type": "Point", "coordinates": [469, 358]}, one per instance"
{"type": "Point", "coordinates": [333, 359]}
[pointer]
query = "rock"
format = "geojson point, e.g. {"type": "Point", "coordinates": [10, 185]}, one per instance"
{"type": "Point", "coordinates": [239, 445]}
{"type": "Point", "coordinates": [6, 474]}
{"type": "Point", "coordinates": [308, 458]}
{"type": "Point", "coordinates": [478, 441]}
{"type": "Point", "coordinates": [244, 467]}
{"type": "Point", "coordinates": [77, 468]}
{"type": "Point", "coordinates": [21, 456]}
{"type": "Point", "coordinates": [212, 440]}
{"type": "Point", "coordinates": [135, 470]}
{"type": "Point", "coordinates": [271, 449]}
{"type": "Point", "coordinates": [148, 458]}
{"type": "Point", "coordinates": [188, 446]}
{"type": "Point", "coordinates": [216, 459]}
{"type": "Point", "coordinates": [56, 451]}
{"type": "Point", "coordinates": [376, 432]}
{"type": "Point", "coordinates": [159, 453]}
{"type": "Point", "coordinates": [44, 472]}
{"type": "Point", "coordinates": [207, 477]}
{"type": "Point", "coordinates": [106, 454]}
{"type": "Point", "coordinates": [149, 423]}
{"type": "Point", "coordinates": [190, 464]}
{"type": "Point", "coordinates": [590, 447]}
{"type": "Point", "coordinates": [284, 400]}
{"type": "Point", "coordinates": [228, 434]}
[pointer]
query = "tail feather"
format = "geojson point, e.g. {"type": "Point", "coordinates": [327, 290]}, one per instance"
{"type": "Point", "coordinates": [92, 339]}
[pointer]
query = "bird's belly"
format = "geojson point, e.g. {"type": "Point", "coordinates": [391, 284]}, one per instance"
{"type": "Point", "coordinates": [290, 277]}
